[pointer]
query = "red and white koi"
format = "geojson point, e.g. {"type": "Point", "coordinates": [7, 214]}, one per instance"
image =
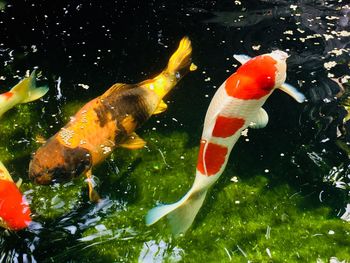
{"type": "Point", "coordinates": [14, 209]}
{"type": "Point", "coordinates": [25, 91]}
{"type": "Point", "coordinates": [236, 106]}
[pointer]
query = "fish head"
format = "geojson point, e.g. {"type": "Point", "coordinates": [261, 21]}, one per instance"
{"type": "Point", "coordinates": [281, 66]}
{"type": "Point", "coordinates": [259, 76]}
{"type": "Point", "coordinates": [14, 209]}
{"type": "Point", "coordinates": [54, 162]}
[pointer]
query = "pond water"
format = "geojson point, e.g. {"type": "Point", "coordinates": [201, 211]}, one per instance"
{"type": "Point", "coordinates": [284, 193]}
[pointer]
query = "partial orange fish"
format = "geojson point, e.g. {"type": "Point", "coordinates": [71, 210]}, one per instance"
{"type": "Point", "coordinates": [14, 209]}
{"type": "Point", "coordinates": [25, 91]}
{"type": "Point", "coordinates": [107, 122]}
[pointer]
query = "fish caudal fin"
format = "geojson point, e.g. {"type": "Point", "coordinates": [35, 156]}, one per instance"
{"type": "Point", "coordinates": [181, 59]}
{"type": "Point", "coordinates": [180, 214]}
{"type": "Point", "coordinates": [27, 90]}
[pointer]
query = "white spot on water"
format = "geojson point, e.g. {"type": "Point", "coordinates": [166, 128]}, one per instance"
{"type": "Point", "coordinates": [84, 86]}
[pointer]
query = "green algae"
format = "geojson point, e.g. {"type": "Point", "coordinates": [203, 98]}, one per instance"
{"type": "Point", "coordinates": [16, 132]}
{"type": "Point", "coordinates": [51, 202]}
{"type": "Point", "coordinates": [253, 219]}
{"type": "Point", "coordinates": [247, 220]}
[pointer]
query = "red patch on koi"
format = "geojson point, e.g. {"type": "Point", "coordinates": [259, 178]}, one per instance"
{"type": "Point", "coordinates": [253, 80]}
{"type": "Point", "coordinates": [226, 126]}
{"type": "Point", "coordinates": [7, 95]}
{"type": "Point", "coordinates": [13, 208]}
{"type": "Point", "coordinates": [214, 158]}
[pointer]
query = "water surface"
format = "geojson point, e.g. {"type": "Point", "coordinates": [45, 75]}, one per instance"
{"type": "Point", "coordinates": [291, 184]}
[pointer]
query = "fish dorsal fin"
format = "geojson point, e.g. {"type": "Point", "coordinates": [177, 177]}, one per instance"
{"type": "Point", "coordinates": [242, 58]}
{"type": "Point", "coordinates": [260, 120]}
{"type": "Point", "coordinates": [4, 174]}
{"type": "Point", "coordinates": [133, 142]}
{"type": "Point", "coordinates": [293, 92]}
{"type": "Point", "coordinates": [116, 88]}
{"type": "Point", "coordinates": [161, 107]}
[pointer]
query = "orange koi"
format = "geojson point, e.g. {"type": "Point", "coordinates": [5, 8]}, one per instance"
{"type": "Point", "coordinates": [107, 122]}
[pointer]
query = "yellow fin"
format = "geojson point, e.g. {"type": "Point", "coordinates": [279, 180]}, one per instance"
{"type": "Point", "coordinates": [93, 195]}
{"type": "Point", "coordinates": [115, 88]}
{"type": "Point", "coordinates": [4, 174]}
{"type": "Point", "coordinates": [193, 67]}
{"type": "Point", "coordinates": [28, 90]}
{"type": "Point", "coordinates": [161, 107]}
{"type": "Point", "coordinates": [40, 139]}
{"type": "Point", "coordinates": [133, 142]}
{"type": "Point", "coordinates": [19, 182]}
{"type": "Point", "coordinates": [182, 57]}
{"type": "Point", "coordinates": [129, 123]}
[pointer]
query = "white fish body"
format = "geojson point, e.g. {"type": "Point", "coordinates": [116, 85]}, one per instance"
{"type": "Point", "coordinates": [235, 106]}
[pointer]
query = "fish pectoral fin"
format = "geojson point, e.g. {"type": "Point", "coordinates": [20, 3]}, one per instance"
{"type": "Point", "coordinates": [19, 182]}
{"type": "Point", "coordinates": [260, 120]}
{"type": "Point", "coordinates": [293, 92]}
{"type": "Point", "coordinates": [133, 142]}
{"type": "Point", "coordinates": [161, 107]}
{"type": "Point", "coordinates": [40, 139]}
{"type": "Point", "coordinates": [93, 195]}
{"type": "Point", "coordinates": [129, 123]}
{"type": "Point", "coordinates": [242, 58]}
{"type": "Point", "coordinates": [193, 67]}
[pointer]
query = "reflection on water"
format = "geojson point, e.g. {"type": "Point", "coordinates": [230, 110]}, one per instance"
{"type": "Point", "coordinates": [295, 182]}
{"type": "Point", "coordinates": [153, 251]}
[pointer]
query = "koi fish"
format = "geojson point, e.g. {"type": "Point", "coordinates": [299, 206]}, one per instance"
{"type": "Point", "coordinates": [14, 209]}
{"type": "Point", "coordinates": [25, 91]}
{"type": "Point", "coordinates": [107, 122]}
{"type": "Point", "coordinates": [236, 105]}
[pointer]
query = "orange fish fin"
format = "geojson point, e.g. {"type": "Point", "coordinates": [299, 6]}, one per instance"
{"type": "Point", "coordinates": [93, 195]}
{"type": "Point", "coordinates": [129, 123]}
{"type": "Point", "coordinates": [161, 107]}
{"type": "Point", "coordinates": [115, 88]}
{"type": "Point", "coordinates": [133, 142]}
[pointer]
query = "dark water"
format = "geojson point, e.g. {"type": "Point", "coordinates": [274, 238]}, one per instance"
{"type": "Point", "coordinates": [99, 43]}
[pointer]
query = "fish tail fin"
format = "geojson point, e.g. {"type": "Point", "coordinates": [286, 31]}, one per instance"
{"type": "Point", "coordinates": [180, 214]}
{"type": "Point", "coordinates": [27, 90]}
{"type": "Point", "coordinates": [181, 59]}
